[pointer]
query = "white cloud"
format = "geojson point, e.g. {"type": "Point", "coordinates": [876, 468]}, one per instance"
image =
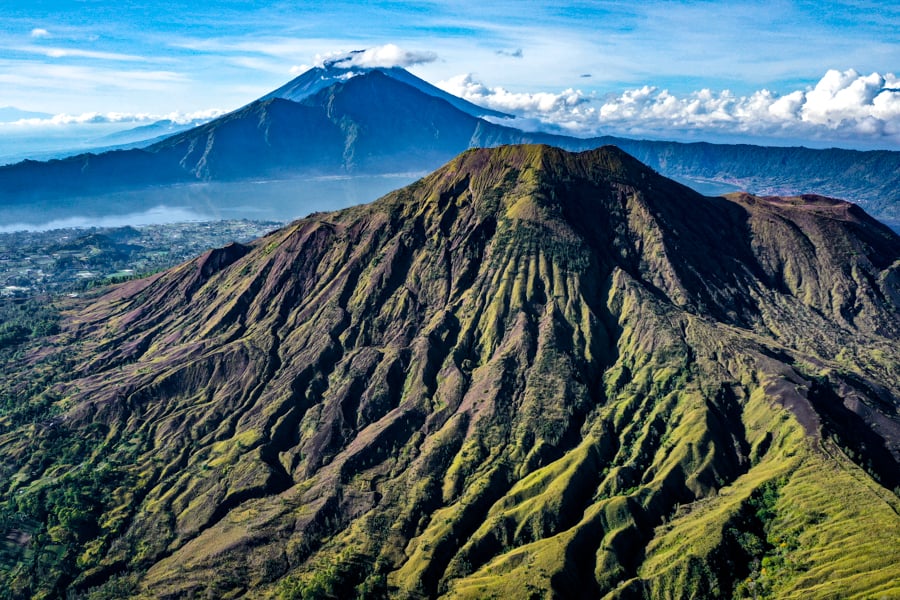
{"type": "Point", "coordinates": [94, 118]}
{"type": "Point", "coordinates": [157, 214]}
{"type": "Point", "coordinates": [844, 106]}
{"type": "Point", "coordinates": [567, 109]}
{"type": "Point", "coordinates": [77, 53]}
{"type": "Point", "coordinates": [38, 32]}
{"type": "Point", "coordinates": [846, 97]}
{"type": "Point", "coordinates": [386, 56]}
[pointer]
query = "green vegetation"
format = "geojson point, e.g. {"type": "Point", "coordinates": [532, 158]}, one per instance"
{"type": "Point", "coordinates": [59, 526]}
{"type": "Point", "coordinates": [56, 492]}
{"type": "Point", "coordinates": [25, 320]}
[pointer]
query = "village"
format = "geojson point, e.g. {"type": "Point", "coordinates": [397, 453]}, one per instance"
{"type": "Point", "coordinates": [70, 261]}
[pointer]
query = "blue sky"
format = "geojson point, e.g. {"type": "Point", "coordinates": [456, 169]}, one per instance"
{"type": "Point", "coordinates": [585, 67]}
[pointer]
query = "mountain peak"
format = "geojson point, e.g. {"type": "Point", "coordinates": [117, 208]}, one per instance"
{"type": "Point", "coordinates": [339, 70]}
{"type": "Point", "coordinates": [604, 162]}
{"type": "Point", "coordinates": [545, 174]}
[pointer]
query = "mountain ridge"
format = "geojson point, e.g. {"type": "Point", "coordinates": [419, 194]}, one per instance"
{"type": "Point", "coordinates": [529, 373]}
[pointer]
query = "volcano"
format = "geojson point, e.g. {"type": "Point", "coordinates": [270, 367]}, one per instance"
{"type": "Point", "coordinates": [531, 373]}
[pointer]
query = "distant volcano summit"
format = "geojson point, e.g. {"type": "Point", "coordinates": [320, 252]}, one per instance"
{"type": "Point", "coordinates": [332, 72]}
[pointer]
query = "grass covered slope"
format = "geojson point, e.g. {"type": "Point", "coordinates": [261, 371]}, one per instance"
{"type": "Point", "coordinates": [531, 373]}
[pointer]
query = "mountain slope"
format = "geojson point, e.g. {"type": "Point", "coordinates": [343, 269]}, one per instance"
{"type": "Point", "coordinates": [146, 134]}
{"type": "Point", "coordinates": [530, 373]}
{"type": "Point", "coordinates": [339, 121]}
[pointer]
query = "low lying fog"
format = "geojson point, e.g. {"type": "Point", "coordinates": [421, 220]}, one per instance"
{"type": "Point", "coordinates": [274, 200]}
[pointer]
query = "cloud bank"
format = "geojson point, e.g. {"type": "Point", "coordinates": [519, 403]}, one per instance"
{"type": "Point", "coordinates": [386, 56]}
{"type": "Point", "coordinates": [841, 106]}
{"type": "Point", "coordinates": [844, 106]}
{"type": "Point", "coordinates": [568, 109]}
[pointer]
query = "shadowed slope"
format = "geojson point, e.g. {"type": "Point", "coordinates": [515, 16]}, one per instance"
{"type": "Point", "coordinates": [531, 372]}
